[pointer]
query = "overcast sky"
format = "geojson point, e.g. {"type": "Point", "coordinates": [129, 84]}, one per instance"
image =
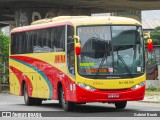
{"type": "Point", "coordinates": [151, 15]}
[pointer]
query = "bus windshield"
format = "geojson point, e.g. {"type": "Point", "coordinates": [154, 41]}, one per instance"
{"type": "Point", "coordinates": [111, 51]}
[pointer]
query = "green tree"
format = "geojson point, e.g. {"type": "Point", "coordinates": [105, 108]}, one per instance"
{"type": "Point", "coordinates": [4, 54]}
{"type": "Point", "coordinates": [155, 36]}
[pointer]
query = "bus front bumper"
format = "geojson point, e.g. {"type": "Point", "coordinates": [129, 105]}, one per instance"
{"type": "Point", "coordinates": [109, 95]}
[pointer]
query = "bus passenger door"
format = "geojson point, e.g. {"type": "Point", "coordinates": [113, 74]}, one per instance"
{"type": "Point", "coordinates": [70, 51]}
{"type": "Point", "coordinates": [70, 63]}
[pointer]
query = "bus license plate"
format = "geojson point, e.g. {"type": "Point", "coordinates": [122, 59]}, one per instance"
{"type": "Point", "coordinates": [113, 95]}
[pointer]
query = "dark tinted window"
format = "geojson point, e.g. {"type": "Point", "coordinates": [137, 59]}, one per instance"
{"type": "Point", "coordinates": [70, 49]}
{"type": "Point", "coordinates": [39, 41]}
{"type": "Point", "coordinates": [13, 44]}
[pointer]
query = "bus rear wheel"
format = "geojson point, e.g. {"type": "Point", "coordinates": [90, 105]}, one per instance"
{"type": "Point", "coordinates": [120, 105]}
{"type": "Point", "coordinates": [28, 100]}
{"type": "Point", "coordinates": [66, 105]}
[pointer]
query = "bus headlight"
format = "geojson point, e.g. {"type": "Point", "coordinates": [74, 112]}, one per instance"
{"type": "Point", "coordinates": [138, 86]}
{"type": "Point", "coordinates": [86, 87]}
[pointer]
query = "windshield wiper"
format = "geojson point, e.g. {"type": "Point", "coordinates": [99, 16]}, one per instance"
{"type": "Point", "coordinates": [125, 65]}
{"type": "Point", "coordinates": [101, 64]}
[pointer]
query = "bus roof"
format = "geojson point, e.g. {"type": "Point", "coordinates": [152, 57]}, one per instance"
{"type": "Point", "coordinates": [77, 21]}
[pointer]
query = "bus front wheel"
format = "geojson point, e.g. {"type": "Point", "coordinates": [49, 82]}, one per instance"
{"type": "Point", "coordinates": [120, 105]}
{"type": "Point", "coordinates": [66, 105]}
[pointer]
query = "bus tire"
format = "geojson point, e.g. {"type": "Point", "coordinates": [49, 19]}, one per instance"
{"type": "Point", "coordinates": [59, 97]}
{"type": "Point", "coordinates": [66, 105]}
{"type": "Point", "coordinates": [27, 100]}
{"type": "Point", "coordinates": [120, 105]}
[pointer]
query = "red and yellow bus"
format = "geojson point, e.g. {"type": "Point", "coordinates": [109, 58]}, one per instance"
{"type": "Point", "coordinates": [78, 59]}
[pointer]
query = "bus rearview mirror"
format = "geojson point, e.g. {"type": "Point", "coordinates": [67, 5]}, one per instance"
{"type": "Point", "coordinates": [76, 38]}
{"type": "Point", "coordinates": [146, 35]}
{"type": "Point", "coordinates": [78, 48]}
{"type": "Point", "coordinates": [77, 45]}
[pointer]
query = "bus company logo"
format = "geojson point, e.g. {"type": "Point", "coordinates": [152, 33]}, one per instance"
{"type": "Point", "coordinates": [59, 59]}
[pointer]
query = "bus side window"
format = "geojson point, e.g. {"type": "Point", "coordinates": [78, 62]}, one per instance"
{"type": "Point", "coordinates": [70, 50]}
{"type": "Point", "coordinates": [33, 36]}
{"type": "Point", "coordinates": [57, 39]}
{"type": "Point", "coordinates": [20, 43]}
{"type": "Point", "coordinates": [14, 44]}
{"type": "Point", "coordinates": [37, 44]}
{"type": "Point", "coordinates": [29, 42]}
